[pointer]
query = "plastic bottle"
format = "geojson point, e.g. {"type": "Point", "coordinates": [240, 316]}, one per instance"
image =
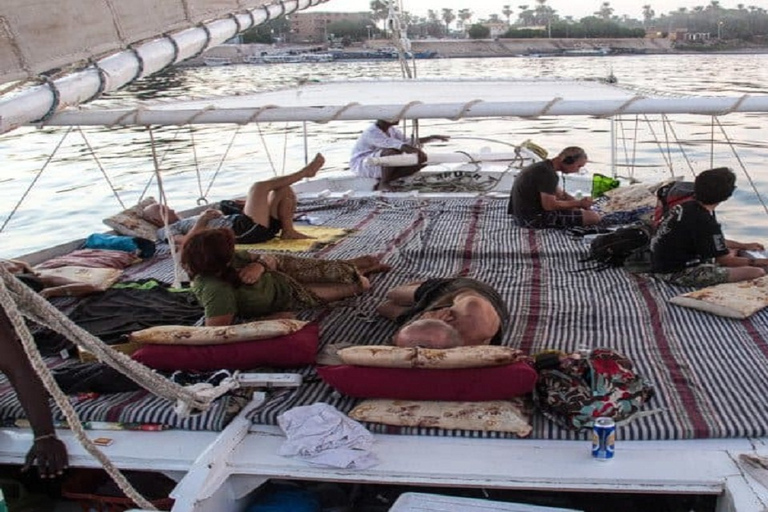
{"type": "Point", "coordinates": [3, 506]}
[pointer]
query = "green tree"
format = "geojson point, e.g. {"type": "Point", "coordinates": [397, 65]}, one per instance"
{"type": "Point", "coordinates": [605, 12]}
{"type": "Point", "coordinates": [267, 32]}
{"type": "Point", "coordinates": [478, 31]}
{"type": "Point", "coordinates": [526, 17]}
{"type": "Point", "coordinates": [379, 10]}
{"type": "Point", "coordinates": [448, 18]}
{"type": "Point", "coordinates": [507, 12]}
{"type": "Point", "coordinates": [464, 16]}
{"type": "Point", "coordinates": [648, 15]}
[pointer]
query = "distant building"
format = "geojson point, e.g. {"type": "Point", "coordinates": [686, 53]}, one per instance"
{"type": "Point", "coordinates": [312, 27]}
{"type": "Point", "coordinates": [497, 28]}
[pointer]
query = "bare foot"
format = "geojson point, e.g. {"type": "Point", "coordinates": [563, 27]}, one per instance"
{"type": "Point", "coordinates": [294, 235]}
{"type": "Point", "coordinates": [369, 264]}
{"type": "Point", "coordinates": [365, 284]}
{"type": "Point", "coordinates": [310, 171]}
{"type": "Point", "coordinates": [375, 269]}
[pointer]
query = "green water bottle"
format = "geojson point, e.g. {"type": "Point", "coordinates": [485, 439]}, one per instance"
{"type": "Point", "coordinates": [3, 507]}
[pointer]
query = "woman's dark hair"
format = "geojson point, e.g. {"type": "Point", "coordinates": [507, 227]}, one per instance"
{"type": "Point", "coordinates": [209, 253]}
{"type": "Point", "coordinates": [714, 185]}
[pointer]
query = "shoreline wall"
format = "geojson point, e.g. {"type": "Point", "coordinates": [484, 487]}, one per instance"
{"type": "Point", "coordinates": [515, 47]}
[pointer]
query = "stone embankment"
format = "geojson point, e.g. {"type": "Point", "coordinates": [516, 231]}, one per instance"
{"type": "Point", "coordinates": [517, 47]}
{"type": "Point", "coordinates": [448, 48]}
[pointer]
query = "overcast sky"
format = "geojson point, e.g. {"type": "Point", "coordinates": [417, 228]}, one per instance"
{"type": "Point", "coordinates": [576, 8]}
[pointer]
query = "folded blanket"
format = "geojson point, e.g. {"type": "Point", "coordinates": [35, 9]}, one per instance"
{"type": "Point", "coordinates": [320, 236]}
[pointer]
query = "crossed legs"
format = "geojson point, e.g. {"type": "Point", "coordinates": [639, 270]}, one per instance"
{"type": "Point", "coordinates": [389, 174]}
{"type": "Point", "coordinates": [274, 198]}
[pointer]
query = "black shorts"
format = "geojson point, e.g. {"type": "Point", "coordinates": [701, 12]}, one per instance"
{"type": "Point", "coordinates": [248, 232]}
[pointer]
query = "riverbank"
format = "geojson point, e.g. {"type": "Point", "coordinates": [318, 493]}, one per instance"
{"type": "Point", "coordinates": [478, 48]}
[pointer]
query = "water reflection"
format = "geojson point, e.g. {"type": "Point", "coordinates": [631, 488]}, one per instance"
{"type": "Point", "coordinates": [71, 195]}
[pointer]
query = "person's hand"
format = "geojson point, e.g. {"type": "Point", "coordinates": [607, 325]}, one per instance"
{"type": "Point", "coordinates": [49, 454]}
{"type": "Point", "coordinates": [753, 246]}
{"type": "Point", "coordinates": [210, 213]}
{"type": "Point", "coordinates": [422, 157]}
{"type": "Point", "coordinates": [250, 274]}
{"type": "Point", "coordinates": [586, 203]}
{"type": "Point", "coordinates": [269, 261]}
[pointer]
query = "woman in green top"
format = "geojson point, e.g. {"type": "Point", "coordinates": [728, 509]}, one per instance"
{"type": "Point", "coordinates": [230, 283]}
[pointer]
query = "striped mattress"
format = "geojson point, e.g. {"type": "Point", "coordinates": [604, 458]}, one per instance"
{"type": "Point", "coordinates": [710, 372]}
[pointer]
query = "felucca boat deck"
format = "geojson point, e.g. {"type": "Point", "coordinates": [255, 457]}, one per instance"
{"type": "Point", "coordinates": [709, 372]}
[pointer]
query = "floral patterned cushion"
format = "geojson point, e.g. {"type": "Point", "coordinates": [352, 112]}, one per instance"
{"type": "Point", "coordinates": [130, 222]}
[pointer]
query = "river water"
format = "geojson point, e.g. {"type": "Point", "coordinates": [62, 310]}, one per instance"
{"type": "Point", "coordinates": [71, 195]}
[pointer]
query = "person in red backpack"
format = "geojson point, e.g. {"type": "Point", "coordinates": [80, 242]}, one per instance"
{"type": "Point", "coordinates": [689, 248]}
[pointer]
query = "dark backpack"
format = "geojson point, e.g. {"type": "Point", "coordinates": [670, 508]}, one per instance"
{"type": "Point", "coordinates": [670, 195]}
{"type": "Point", "coordinates": [612, 249]}
{"type": "Point", "coordinates": [577, 389]}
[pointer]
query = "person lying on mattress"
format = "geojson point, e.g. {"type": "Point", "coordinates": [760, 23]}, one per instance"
{"type": "Point", "coordinates": [48, 453]}
{"type": "Point", "coordinates": [537, 200]}
{"type": "Point", "coordinates": [47, 286]}
{"type": "Point", "coordinates": [234, 284]}
{"type": "Point", "coordinates": [269, 209]}
{"type": "Point", "coordinates": [689, 248]}
{"type": "Point", "coordinates": [446, 313]}
{"type": "Point", "coordinates": [384, 138]}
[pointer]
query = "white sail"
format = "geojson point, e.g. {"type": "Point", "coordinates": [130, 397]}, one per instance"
{"type": "Point", "coordinates": [412, 99]}
{"type": "Point", "coordinates": [34, 40]}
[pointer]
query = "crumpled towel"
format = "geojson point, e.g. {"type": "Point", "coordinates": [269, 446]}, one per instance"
{"type": "Point", "coordinates": [321, 435]}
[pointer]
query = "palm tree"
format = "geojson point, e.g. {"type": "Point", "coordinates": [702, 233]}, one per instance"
{"type": "Point", "coordinates": [379, 10]}
{"type": "Point", "coordinates": [605, 12]}
{"type": "Point", "coordinates": [648, 15]}
{"type": "Point", "coordinates": [525, 16]}
{"type": "Point", "coordinates": [507, 11]}
{"type": "Point", "coordinates": [448, 18]}
{"type": "Point", "coordinates": [464, 16]}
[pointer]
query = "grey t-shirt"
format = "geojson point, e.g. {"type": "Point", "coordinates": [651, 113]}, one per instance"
{"type": "Point", "coordinates": [525, 198]}
{"type": "Point", "coordinates": [182, 226]}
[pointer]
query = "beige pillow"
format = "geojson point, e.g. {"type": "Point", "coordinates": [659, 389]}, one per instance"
{"type": "Point", "coordinates": [493, 416]}
{"type": "Point", "coordinates": [186, 335]}
{"type": "Point", "coordinates": [101, 278]}
{"type": "Point", "coordinates": [414, 357]}
{"type": "Point", "coordinates": [628, 198]}
{"type": "Point", "coordinates": [732, 300]}
{"type": "Point", "coordinates": [131, 223]}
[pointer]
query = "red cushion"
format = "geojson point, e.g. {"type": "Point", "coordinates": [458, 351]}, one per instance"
{"type": "Point", "coordinates": [297, 349]}
{"type": "Point", "coordinates": [461, 384]}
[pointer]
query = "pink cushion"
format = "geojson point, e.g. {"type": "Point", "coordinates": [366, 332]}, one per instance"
{"type": "Point", "coordinates": [460, 384]}
{"type": "Point", "coordinates": [291, 350]}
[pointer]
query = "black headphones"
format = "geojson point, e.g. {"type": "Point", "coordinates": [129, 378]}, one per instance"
{"type": "Point", "coordinates": [572, 159]}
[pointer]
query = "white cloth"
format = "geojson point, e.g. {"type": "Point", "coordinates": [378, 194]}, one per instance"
{"type": "Point", "coordinates": [370, 143]}
{"type": "Point", "coordinates": [321, 435]}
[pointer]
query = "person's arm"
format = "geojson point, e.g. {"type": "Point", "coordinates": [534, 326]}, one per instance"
{"type": "Point", "coordinates": [739, 246]}
{"type": "Point", "coordinates": [432, 138]}
{"type": "Point", "coordinates": [48, 452]}
{"type": "Point", "coordinates": [202, 222]}
{"type": "Point", "coordinates": [550, 202]}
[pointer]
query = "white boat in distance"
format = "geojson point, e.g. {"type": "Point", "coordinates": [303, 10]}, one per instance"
{"type": "Point", "coordinates": [218, 472]}
{"type": "Point", "coordinates": [217, 61]}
